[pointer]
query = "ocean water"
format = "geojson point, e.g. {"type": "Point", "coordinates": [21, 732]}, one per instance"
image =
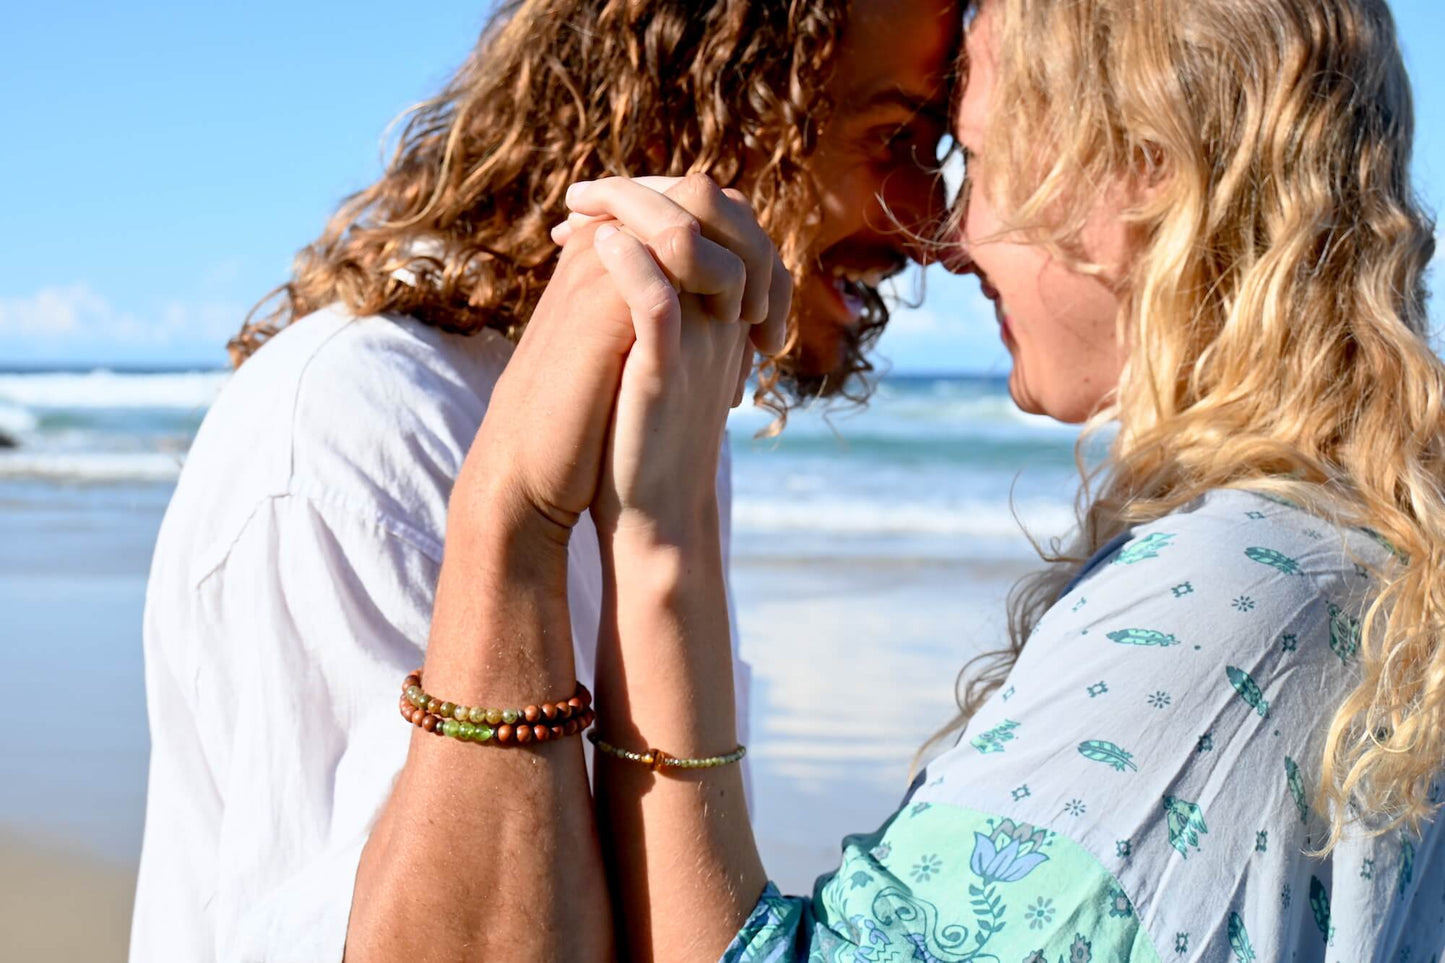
{"type": "Point", "coordinates": [938, 467]}
{"type": "Point", "coordinates": [873, 550]}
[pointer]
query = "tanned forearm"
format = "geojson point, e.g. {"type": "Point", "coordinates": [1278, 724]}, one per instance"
{"type": "Point", "coordinates": [488, 853]}
{"type": "Point", "coordinates": [682, 861]}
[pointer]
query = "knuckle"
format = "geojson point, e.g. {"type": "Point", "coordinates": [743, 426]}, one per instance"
{"type": "Point", "coordinates": [737, 268]}
{"type": "Point", "coordinates": [700, 193]}
{"type": "Point", "coordinates": [658, 301]}
{"type": "Point", "coordinates": [700, 184]}
{"type": "Point", "coordinates": [675, 243]}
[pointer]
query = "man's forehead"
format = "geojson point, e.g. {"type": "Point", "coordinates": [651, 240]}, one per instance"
{"type": "Point", "coordinates": [898, 52]}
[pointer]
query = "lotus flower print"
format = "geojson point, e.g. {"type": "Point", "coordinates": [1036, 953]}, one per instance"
{"type": "Point", "coordinates": [1009, 854]}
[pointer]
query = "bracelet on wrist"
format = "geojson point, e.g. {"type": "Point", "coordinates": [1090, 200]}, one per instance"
{"type": "Point", "coordinates": [503, 727]}
{"type": "Point", "coordinates": [659, 761]}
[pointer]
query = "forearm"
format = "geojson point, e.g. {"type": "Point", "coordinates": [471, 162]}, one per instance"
{"type": "Point", "coordinates": [681, 857]}
{"type": "Point", "coordinates": [481, 850]}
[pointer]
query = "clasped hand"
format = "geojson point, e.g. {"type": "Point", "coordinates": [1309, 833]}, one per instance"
{"type": "Point", "coordinates": [704, 285]}
{"type": "Point", "coordinates": [618, 393]}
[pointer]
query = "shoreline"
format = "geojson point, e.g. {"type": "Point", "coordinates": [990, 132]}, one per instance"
{"type": "Point", "coordinates": [61, 902]}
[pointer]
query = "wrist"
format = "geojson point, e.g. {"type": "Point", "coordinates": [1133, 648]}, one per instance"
{"type": "Point", "coordinates": [689, 528]}
{"type": "Point", "coordinates": [500, 627]}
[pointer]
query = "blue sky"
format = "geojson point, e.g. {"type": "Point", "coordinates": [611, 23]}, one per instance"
{"type": "Point", "coordinates": [163, 161]}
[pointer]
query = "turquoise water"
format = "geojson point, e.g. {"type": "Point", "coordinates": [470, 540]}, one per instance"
{"type": "Point", "coordinates": [933, 466]}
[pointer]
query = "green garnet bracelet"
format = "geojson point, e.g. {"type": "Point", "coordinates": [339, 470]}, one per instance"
{"type": "Point", "coordinates": [657, 760]}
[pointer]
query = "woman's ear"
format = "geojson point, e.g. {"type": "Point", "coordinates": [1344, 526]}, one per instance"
{"type": "Point", "coordinates": [1151, 170]}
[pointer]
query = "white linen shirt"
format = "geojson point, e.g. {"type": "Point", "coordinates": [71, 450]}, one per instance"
{"type": "Point", "coordinates": [290, 591]}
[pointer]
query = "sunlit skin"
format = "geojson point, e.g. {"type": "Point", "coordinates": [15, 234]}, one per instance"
{"type": "Point", "coordinates": [876, 159]}
{"type": "Point", "coordinates": [1058, 324]}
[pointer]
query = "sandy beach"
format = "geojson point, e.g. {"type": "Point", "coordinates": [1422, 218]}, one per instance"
{"type": "Point", "coordinates": [840, 648]}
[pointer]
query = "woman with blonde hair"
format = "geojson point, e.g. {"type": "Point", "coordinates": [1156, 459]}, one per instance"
{"type": "Point", "coordinates": [1218, 732]}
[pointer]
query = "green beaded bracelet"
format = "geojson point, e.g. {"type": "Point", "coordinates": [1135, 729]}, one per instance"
{"type": "Point", "coordinates": [504, 727]}
{"type": "Point", "coordinates": [657, 760]}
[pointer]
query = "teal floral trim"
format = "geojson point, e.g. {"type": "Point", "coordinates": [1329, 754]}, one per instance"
{"type": "Point", "coordinates": [948, 885]}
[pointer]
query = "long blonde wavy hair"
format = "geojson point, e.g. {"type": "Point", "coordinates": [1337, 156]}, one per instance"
{"type": "Point", "coordinates": [1274, 315]}
{"type": "Point", "coordinates": [558, 91]}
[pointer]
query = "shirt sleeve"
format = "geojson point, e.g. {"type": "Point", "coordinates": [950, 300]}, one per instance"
{"type": "Point", "coordinates": [282, 734]}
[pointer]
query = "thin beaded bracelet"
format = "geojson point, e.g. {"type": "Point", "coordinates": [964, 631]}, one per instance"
{"type": "Point", "coordinates": [503, 727]}
{"type": "Point", "coordinates": [656, 759]}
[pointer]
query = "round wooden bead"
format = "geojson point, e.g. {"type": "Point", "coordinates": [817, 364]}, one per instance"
{"type": "Point", "coordinates": [564, 710]}
{"type": "Point", "coordinates": [585, 696]}
{"type": "Point", "coordinates": [503, 733]}
{"type": "Point", "coordinates": [523, 735]}
{"type": "Point", "coordinates": [417, 715]}
{"type": "Point", "coordinates": [411, 681]}
{"type": "Point", "coordinates": [570, 727]}
{"type": "Point", "coordinates": [558, 732]}
{"type": "Point", "coordinates": [429, 722]}
{"type": "Point", "coordinates": [531, 713]}
{"type": "Point", "coordinates": [541, 733]}
{"type": "Point", "coordinates": [576, 703]}
{"type": "Point", "coordinates": [549, 712]}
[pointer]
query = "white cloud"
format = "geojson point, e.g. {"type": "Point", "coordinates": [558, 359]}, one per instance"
{"type": "Point", "coordinates": [73, 314]}
{"type": "Point", "coordinates": [59, 311]}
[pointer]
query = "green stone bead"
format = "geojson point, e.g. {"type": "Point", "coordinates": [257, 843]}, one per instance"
{"type": "Point", "coordinates": [465, 730]}
{"type": "Point", "coordinates": [449, 728]}
{"type": "Point", "coordinates": [447, 708]}
{"type": "Point", "coordinates": [510, 716]}
{"type": "Point", "coordinates": [460, 713]}
{"type": "Point", "coordinates": [432, 705]}
{"type": "Point", "coordinates": [494, 717]}
{"type": "Point", "coordinates": [476, 715]}
{"type": "Point", "coordinates": [484, 733]}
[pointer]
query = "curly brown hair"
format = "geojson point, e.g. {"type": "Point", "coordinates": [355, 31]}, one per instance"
{"type": "Point", "coordinates": [558, 91]}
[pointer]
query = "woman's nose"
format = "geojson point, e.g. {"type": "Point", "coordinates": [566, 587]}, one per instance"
{"type": "Point", "coordinates": [953, 253]}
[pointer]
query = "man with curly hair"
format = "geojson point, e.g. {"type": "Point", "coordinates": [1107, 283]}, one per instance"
{"type": "Point", "coordinates": [294, 577]}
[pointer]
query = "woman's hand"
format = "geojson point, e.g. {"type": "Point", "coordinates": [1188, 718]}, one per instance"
{"type": "Point", "coordinates": [690, 362]}
{"type": "Point", "coordinates": [683, 866]}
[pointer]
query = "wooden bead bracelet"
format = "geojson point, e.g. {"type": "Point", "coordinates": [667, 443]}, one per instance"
{"type": "Point", "coordinates": [503, 727]}
{"type": "Point", "coordinates": [657, 760]}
